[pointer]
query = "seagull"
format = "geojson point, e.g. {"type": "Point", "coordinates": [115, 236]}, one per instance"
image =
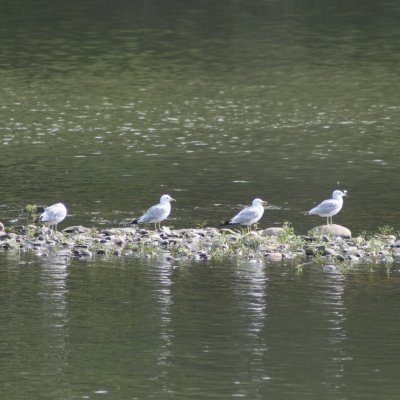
{"type": "Point", "coordinates": [249, 215]}
{"type": "Point", "coordinates": [329, 208]}
{"type": "Point", "coordinates": [53, 215]}
{"type": "Point", "coordinates": [157, 213]}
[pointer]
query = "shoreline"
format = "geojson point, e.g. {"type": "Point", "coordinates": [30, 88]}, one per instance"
{"type": "Point", "coordinates": [327, 243]}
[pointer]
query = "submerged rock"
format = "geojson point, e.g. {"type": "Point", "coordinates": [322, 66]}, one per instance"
{"type": "Point", "coordinates": [275, 257]}
{"type": "Point", "coordinates": [329, 268]}
{"type": "Point", "coordinates": [334, 230]}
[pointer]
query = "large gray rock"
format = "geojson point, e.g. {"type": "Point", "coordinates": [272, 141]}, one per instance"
{"type": "Point", "coordinates": [123, 230]}
{"type": "Point", "coordinates": [275, 231]}
{"type": "Point", "coordinates": [334, 230]}
{"type": "Point", "coordinates": [76, 229]}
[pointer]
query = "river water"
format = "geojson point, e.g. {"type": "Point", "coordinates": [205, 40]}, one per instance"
{"type": "Point", "coordinates": [125, 329]}
{"type": "Point", "coordinates": [107, 105]}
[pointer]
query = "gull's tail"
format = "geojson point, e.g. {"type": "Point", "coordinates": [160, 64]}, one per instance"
{"type": "Point", "coordinates": [226, 223]}
{"type": "Point", "coordinates": [39, 218]}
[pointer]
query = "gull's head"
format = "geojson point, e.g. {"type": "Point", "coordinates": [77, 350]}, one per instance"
{"type": "Point", "coordinates": [338, 194]}
{"type": "Point", "coordinates": [259, 202]}
{"type": "Point", "coordinates": [166, 198]}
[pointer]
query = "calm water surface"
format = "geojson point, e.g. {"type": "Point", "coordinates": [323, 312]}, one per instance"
{"type": "Point", "coordinates": [130, 330]}
{"type": "Point", "coordinates": [107, 105]}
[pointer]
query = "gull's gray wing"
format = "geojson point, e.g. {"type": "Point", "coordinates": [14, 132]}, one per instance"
{"type": "Point", "coordinates": [326, 207]}
{"type": "Point", "coordinates": [154, 214]}
{"type": "Point", "coordinates": [246, 215]}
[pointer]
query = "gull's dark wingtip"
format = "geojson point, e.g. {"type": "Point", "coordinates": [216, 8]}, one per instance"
{"type": "Point", "coordinates": [226, 223]}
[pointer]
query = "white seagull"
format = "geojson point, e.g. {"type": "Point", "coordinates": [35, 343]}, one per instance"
{"type": "Point", "coordinates": [249, 215]}
{"type": "Point", "coordinates": [53, 215]}
{"type": "Point", "coordinates": [329, 208]}
{"type": "Point", "coordinates": [157, 213]}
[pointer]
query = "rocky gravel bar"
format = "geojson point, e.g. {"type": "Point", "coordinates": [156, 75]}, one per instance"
{"type": "Point", "coordinates": [328, 243]}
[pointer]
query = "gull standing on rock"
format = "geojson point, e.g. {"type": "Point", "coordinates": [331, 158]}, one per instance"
{"type": "Point", "coordinates": [249, 215]}
{"type": "Point", "coordinates": [157, 213]}
{"type": "Point", "coordinates": [53, 215]}
{"type": "Point", "coordinates": [329, 208]}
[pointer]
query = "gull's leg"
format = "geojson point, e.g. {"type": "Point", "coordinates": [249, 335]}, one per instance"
{"type": "Point", "coordinates": [47, 233]}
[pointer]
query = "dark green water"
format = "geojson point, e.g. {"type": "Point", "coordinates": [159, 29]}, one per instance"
{"type": "Point", "coordinates": [107, 105]}
{"type": "Point", "coordinates": [132, 330]}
